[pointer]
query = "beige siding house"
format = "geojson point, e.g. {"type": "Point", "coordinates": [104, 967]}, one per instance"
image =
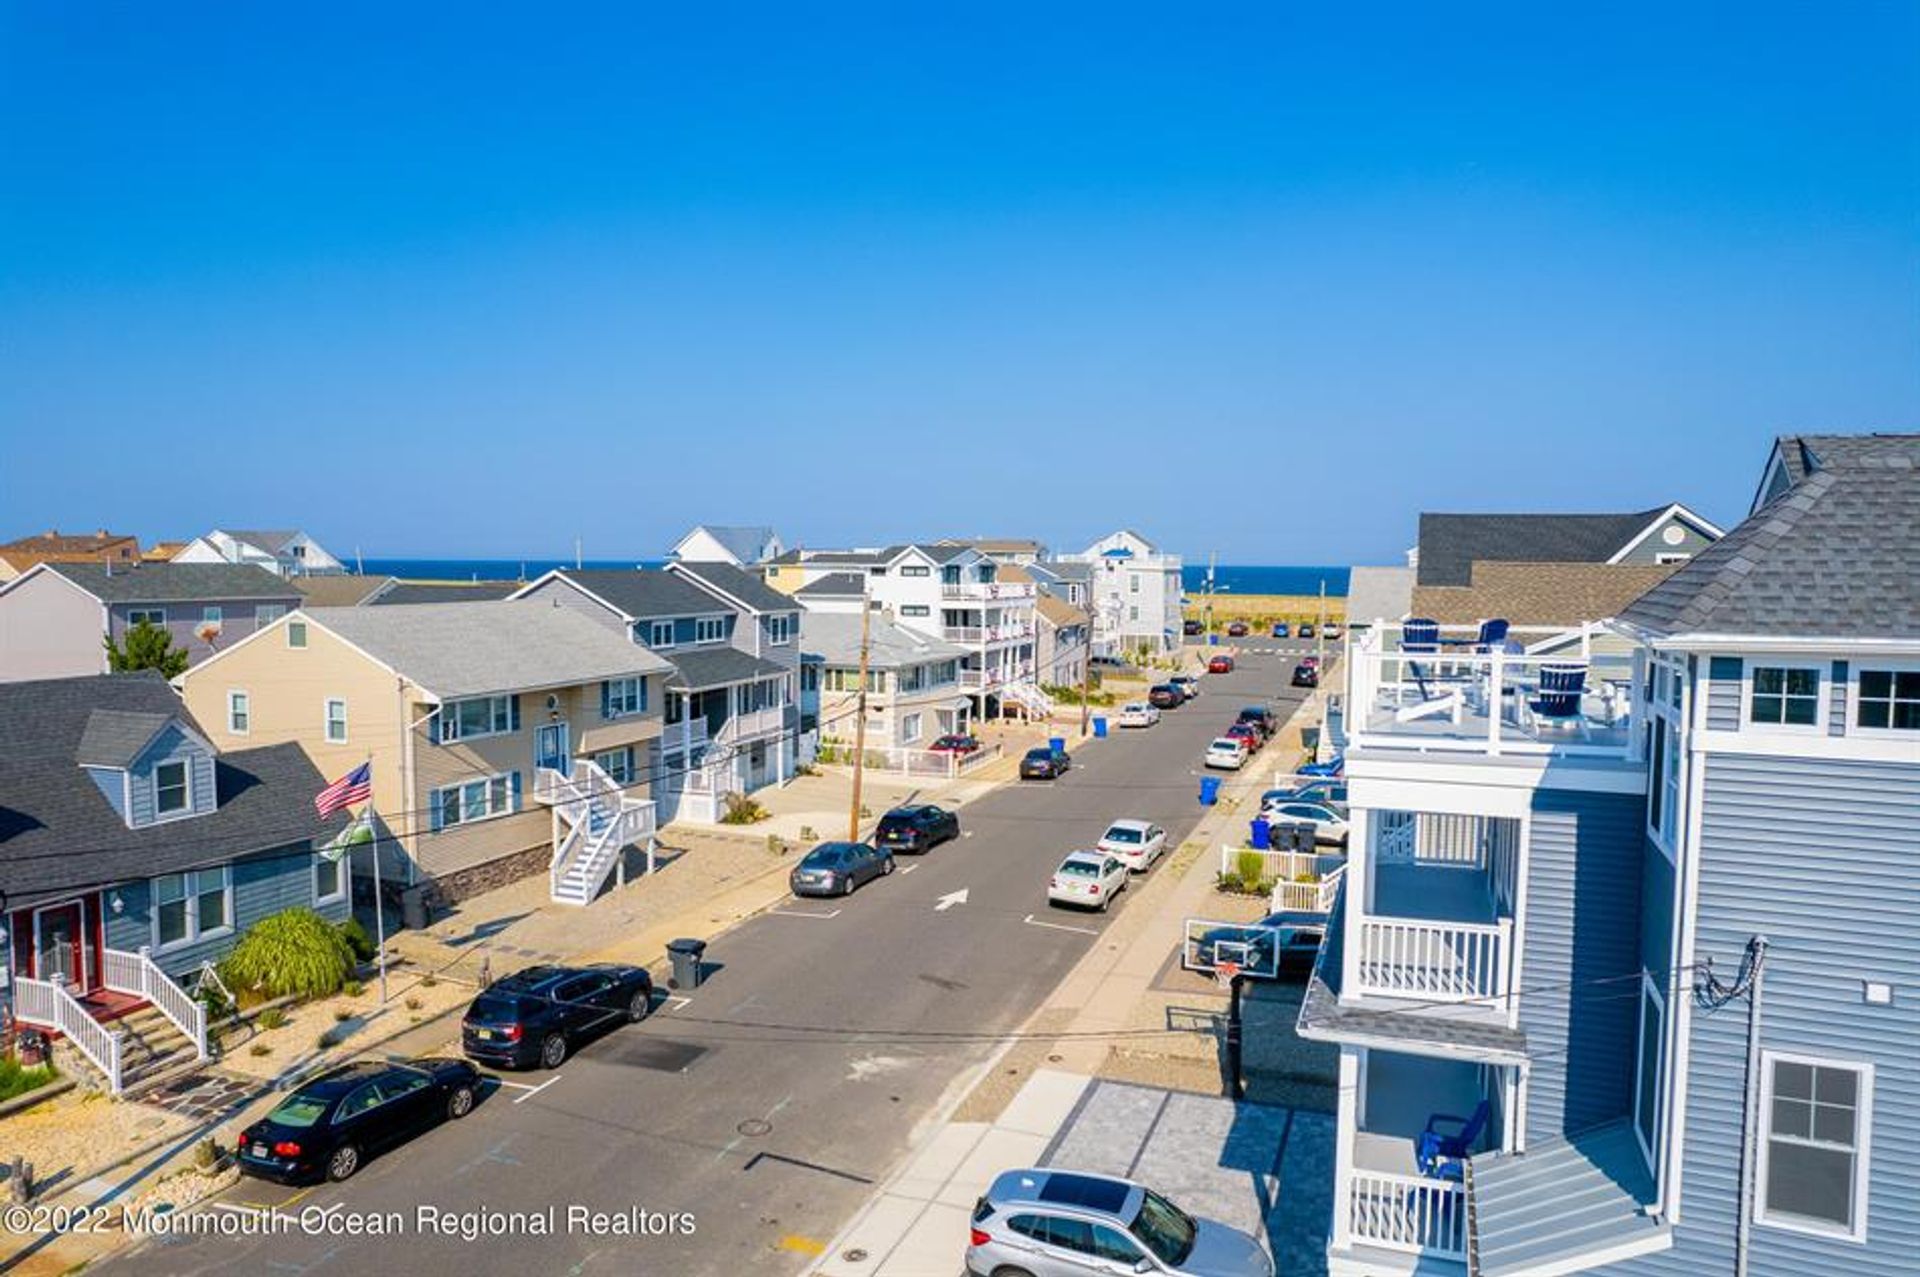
{"type": "Point", "coordinates": [504, 738]}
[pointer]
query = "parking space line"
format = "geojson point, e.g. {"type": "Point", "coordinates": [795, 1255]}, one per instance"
{"type": "Point", "coordinates": [678, 1002]}
{"type": "Point", "coordinates": [530, 1089]}
{"type": "Point", "coordinates": [1061, 926]}
{"type": "Point", "coordinates": [907, 869]}
{"type": "Point", "coordinates": [801, 913]}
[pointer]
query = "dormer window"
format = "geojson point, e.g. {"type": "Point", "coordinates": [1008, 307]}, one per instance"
{"type": "Point", "coordinates": [709, 629]}
{"type": "Point", "coordinates": [171, 789]}
{"type": "Point", "coordinates": [660, 634]}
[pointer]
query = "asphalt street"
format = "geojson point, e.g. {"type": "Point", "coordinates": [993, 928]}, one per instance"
{"type": "Point", "coordinates": [770, 1101]}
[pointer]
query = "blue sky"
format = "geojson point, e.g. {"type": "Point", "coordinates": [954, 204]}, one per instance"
{"type": "Point", "coordinates": [471, 281]}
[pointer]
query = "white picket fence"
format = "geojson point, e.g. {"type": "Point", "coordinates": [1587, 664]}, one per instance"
{"type": "Point", "coordinates": [46, 1004]}
{"type": "Point", "coordinates": [1408, 1213]}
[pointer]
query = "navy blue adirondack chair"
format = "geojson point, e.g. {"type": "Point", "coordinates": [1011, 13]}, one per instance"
{"type": "Point", "coordinates": [1492, 636]}
{"type": "Point", "coordinates": [1561, 690]}
{"type": "Point", "coordinates": [1438, 1153]}
{"type": "Point", "coordinates": [1422, 635]}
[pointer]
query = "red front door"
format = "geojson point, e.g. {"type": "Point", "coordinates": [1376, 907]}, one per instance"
{"type": "Point", "coordinates": [60, 944]}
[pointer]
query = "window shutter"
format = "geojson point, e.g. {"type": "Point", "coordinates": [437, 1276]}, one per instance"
{"type": "Point", "coordinates": [606, 699]}
{"type": "Point", "coordinates": [513, 786]}
{"type": "Point", "coordinates": [437, 726]}
{"type": "Point", "coordinates": [643, 693]}
{"type": "Point", "coordinates": [436, 812]}
{"type": "Point", "coordinates": [513, 713]}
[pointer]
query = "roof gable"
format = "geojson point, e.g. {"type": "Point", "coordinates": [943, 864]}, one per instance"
{"type": "Point", "coordinates": [1451, 543]}
{"type": "Point", "coordinates": [739, 587]}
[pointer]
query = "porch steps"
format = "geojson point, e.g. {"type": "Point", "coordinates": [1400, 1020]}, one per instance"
{"type": "Point", "coordinates": [152, 1052]}
{"type": "Point", "coordinates": [1565, 1201]}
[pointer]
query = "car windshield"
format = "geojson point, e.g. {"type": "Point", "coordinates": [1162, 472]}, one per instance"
{"type": "Point", "coordinates": [1163, 1228]}
{"type": "Point", "coordinates": [1121, 833]}
{"type": "Point", "coordinates": [822, 858]}
{"type": "Point", "coordinates": [1080, 868]}
{"type": "Point", "coordinates": [1039, 755]}
{"type": "Point", "coordinates": [298, 1110]}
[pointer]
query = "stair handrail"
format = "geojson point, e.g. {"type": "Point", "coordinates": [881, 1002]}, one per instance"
{"type": "Point", "coordinates": [48, 1003]}
{"type": "Point", "coordinates": [563, 852]}
{"type": "Point", "coordinates": [188, 1013]}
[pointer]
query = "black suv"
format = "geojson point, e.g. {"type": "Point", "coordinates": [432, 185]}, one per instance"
{"type": "Point", "coordinates": [1261, 717]}
{"type": "Point", "coordinates": [914, 829]}
{"type": "Point", "coordinates": [533, 1017]}
{"type": "Point", "coordinates": [1166, 696]}
{"type": "Point", "coordinates": [1045, 763]}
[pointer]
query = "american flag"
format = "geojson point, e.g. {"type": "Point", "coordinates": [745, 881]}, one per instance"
{"type": "Point", "coordinates": [354, 787]}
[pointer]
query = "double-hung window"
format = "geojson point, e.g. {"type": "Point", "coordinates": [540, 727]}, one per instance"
{"type": "Point", "coordinates": [479, 799]}
{"type": "Point", "coordinates": [156, 616]}
{"type": "Point", "coordinates": [1813, 1157]}
{"type": "Point", "coordinates": [1787, 695]}
{"type": "Point", "coordinates": [172, 789]}
{"type": "Point", "coordinates": [211, 618]}
{"type": "Point", "coordinates": [622, 696]}
{"type": "Point", "coordinates": [478, 716]}
{"type": "Point", "coordinates": [239, 713]}
{"type": "Point", "coordinates": [779, 629]}
{"type": "Point", "coordinates": [709, 629]}
{"type": "Point", "coordinates": [336, 720]}
{"type": "Point", "coordinates": [617, 764]}
{"type": "Point", "coordinates": [1888, 700]}
{"type": "Point", "coordinates": [329, 879]}
{"type": "Point", "coordinates": [296, 633]}
{"type": "Point", "coordinates": [660, 634]}
{"type": "Point", "coordinates": [268, 613]}
{"type": "Point", "coordinates": [192, 906]}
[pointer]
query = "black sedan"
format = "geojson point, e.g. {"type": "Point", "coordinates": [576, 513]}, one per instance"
{"type": "Point", "coordinates": [536, 1015]}
{"type": "Point", "coordinates": [1294, 937]}
{"type": "Point", "coordinates": [1192, 628]}
{"type": "Point", "coordinates": [837, 868]}
{"type": "Point", "coordinates": [1045, 763]}
{"type": "Point", "coordinates": [916, 829]}
{"type": "Point", "coordinates": [331, 1126]}
{"type": "Point", "coordinates": [1305, 675]}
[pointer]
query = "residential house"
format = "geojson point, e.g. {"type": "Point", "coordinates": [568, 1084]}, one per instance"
{"type": "Point", "coordinates": [1065, 641]}
{"type": "Point", "coordinates": [1022, 551]}
{"type": "Point", "coordinates": [949, 592]}
{"type": "Point", "coordinates": [1548, 569]}
{"type": "Point", "coordinates": [132, 852]}
{"type": "Point", "coordinates": [505, 738]}
{"type": "Point", "coordinates": [54, 617]}
{"type": "Point", "coordinates": [913, 681]}
{"type": "Point", "coordinates": [1136, 593]}
{"type": "Point", "coordinates": [740, 547]}
{"type": "Point", "coordinates": [289, 553]}
{"type": "Point", "coordinates": [1071, 583]}
{"type": "Point", "coordinates": [731, 712]}
{"type": "Point", "coordinates": [1651, 924]}
{"type": "Point", "coordinates": [345, 589]}
{"type": "Point", "coordinates": [162, 551]}
{"type": "Point", "coordinates": [58, 547]}
{"type": "Point", "coordinates": [1380, 594]}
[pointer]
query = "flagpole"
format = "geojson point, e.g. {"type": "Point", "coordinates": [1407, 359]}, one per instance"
{"type": "Point", "coordinates": [379, 913]}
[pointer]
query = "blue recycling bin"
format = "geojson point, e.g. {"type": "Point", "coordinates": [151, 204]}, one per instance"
{"type": "Point", "coordinates": [1213, 640]}
{"type": "Point", "coordinates": [1260, 834]}
{"type": "Point", "coordinates": [1099, 727]}
{"type": "Point", "coordinates": [1058, 744]}
{"type": "Point", "coordinates": [1209, 790]}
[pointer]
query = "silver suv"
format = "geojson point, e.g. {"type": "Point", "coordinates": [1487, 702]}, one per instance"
{"type": "Point", "coordinates": [1040, 1223]}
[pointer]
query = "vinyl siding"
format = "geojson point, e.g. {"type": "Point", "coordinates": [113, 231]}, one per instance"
{"type": "Point", "coordinates": [1692, 541]}
{"type": "Point", "coordinates": [1724, 674]}
{"type": "Point", "coordinates": [172, 745]}
{"type": "Point", "coordinates": [1823, 858]}
{"type": "Point", "coordinates": [570, 597]}
{"type": "Point", "coordinates": [49, 628]}
{"type": "Point", "coordinates": [1582, 938]}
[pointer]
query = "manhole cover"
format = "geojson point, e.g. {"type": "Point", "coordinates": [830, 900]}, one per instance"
{"type": "Point", "coordinates": [854, 1255]}
{"type": "Point", "coordinates": [754, 1127]}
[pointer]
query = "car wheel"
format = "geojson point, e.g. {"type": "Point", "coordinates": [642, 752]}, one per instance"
{"type": "Point", "coordinates": [846, 888]}
{"type": "Point", "coordinates": [1011, 1272]}
{"type": "Point", "coordinates": [553, 1051]}
{"type": "Point", "coordinates": [460, 1103]}
{"type": "Point", "coordinates": [886, 866]}
{"type": "Point", "coordinates": [1105, 901]}
{"type": "Point", "coordinates": [344, 1162]}
{"type": "Point", "coordinates": [638, 1008]}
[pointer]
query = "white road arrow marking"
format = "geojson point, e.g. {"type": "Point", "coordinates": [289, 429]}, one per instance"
{"type": "Point", "coordinates": [949, 900]}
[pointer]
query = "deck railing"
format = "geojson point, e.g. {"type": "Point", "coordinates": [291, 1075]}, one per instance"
{"type": "Point", "coordinates": [138, 974]}
{"type": "Point", "coordinates": [1408, 1213]}
{"type": "Point", "coordinates": [987, 590]}
{"type": "Point", "coordinates": [1435, 961]}
{"type": "Point", "coordinates": [47, 1004]}
{"type": "Point", "coordinates": [1308, 897]}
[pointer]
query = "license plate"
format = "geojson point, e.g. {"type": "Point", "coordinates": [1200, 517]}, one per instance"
{"type": "Point", "coordinates": [483, 1034]}
{"type": "Point", "coordinates": [259, 1150]}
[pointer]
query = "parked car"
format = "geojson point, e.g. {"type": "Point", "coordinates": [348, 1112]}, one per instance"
{"type": "Point", "coordinates": [1330, 630]}
{"type": "Point", "coordinates": [916, 829]}
{"type": "Point", "coordinates": [1191, 628]}
{"type": "Point", "coordinates": [1109, 662]}
{"type": "Point", "coordinates": [1323, 790]}
{"type": "Point", "coordinates": [839, 869]}
{"type": "Point", "coordinates": [332, 1125]}
{"type": "Point", "coordinates": [1329, 822]}
{"type": "Point", "coordinates": [1312, 662]}
{"type": "Point", "coordinates": [1227, 753]}
{"type": "Point", "coordinates": [1281, 629]}
{"type": "Point", "coordinates": [1188, 684]}
{"type": "Point", "coordinates": [1054, 1223]}
{"type": "Point", "coordinates": [1221, 664]}
{"type": "Point", "coordinates": [1237, 629]}
{"type": "Point", "coordinates": [1044, 762]}
{"type": "Point", "coordinates": [958, 743]}
{"type": "Point", "coordinates": [1090, 879]}
{"type": "Point", "coordinates": [1305, 675]}
{"type": "Point", "coordinates": [1306, 629]}
{"type": "Point", "coordinates": [537, 1014]}
{"type": "Point", "coordinates": [1138, 714]}
{"type": "Point", "coordinates": [1262, 717]}
{"type": "Point", "coordinates": [1295, 936]}
{"type": "Point", "coordinates": [1135, 843]}
{"type": "Point", "coordinates": [1249, 735]}
{"type": "Point", "coordinates": [1166, 696]}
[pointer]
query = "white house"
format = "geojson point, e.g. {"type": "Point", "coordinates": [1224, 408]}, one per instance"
{"type": "Point", "coordinates": [288, 553]}
{"type": "Point", "coordinates": [1135, 592]}
{"type": "Point", "coordinates": [740, 547]}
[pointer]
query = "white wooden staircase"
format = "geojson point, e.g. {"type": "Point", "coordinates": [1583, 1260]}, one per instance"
{"type": "Point", "coordinates": [594, 820]}
{"type": "Point", "coordinates": [134, 1052]}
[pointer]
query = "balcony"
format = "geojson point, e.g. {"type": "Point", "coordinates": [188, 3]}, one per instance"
{"type": "Point", "coordinates": [987, 591]}
{"type": "Point", "coordinates": [1438, 925]}
{"type": "Point", "coordinates": [1574, 699]}
{"type": "Point", "coordinates": [963, 633]}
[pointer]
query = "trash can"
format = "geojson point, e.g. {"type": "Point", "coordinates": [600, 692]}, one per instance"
{"type": "Point", "coordinates": [1209, 790]}
{"type": "Point", "coordinates": [1213, 640]}
{"type": "Point", "coordinates": [413, 908]}
{"type": "Point", "coordinates": [1099, 727]}
{"type": "Point", "coordinates": [685, 955]}
{"type": "Point", "coordinates": [1297, 835]}
{"type": "Point", "coordinates": [1058, 744]}
{"type": "Point", "coordinates": [1260, 835]}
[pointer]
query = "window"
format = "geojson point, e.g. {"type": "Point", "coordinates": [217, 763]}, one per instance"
{"type": "Point", "coordinates": [1671, 558]}
{"type": "Point", "coordinates": [1109, 1243]}
{"type": "Point", "coordinates": [622, 696]}
{"type": "Point", "coordinates": [479, 799]}
{"type": "Point", "coordinates": [909, 729]}
{"type": "Point", "coordinates": [239, 719]}
{"type": "Point", "coordinates": [296, 633]}
{"type": "Point", "coordinates": [1133, 614]}
{"type": "Point", "coordinates": [1657, 798]}
{"type": "Point", "coordinates": [1133, 583]}
{"type": "Point", "coordinates": [146, 616]}
{"type": "Point", "coordinates": [660, 634]}
{"type": "Point", "coordinates": [1669, 778]}
{"type": "Point", "coordinates": [915, 609]}
{"type": "Point", "coordinates": [170, 796]}
{"type": "Point", "coordinates": [916, 569]}
{"type": "Point", "coordinates": [329, 879]}
{"type": "Point", "coordinates": [1813, 1161]}
{"type": "Point", "coordinates": [709, 629]}
{"type": "Point", "coordinates": [465, 720]}
{"type": "Point", "coordinates": [1888, 700]}
{"type": "Point", "coordinates": [211, 618]}
{"type": "Point", "coordinates": [779, 629]}
{"type": "Point", "coordinates": [337, 722]}
{"type": "Point", "coordinates": [192, 906]}
{"type": "Point", "coordinates": [1647, 1097]}
{"type": "Point", "coordinates": [1785, 694]}
{"type": "Point", "coordinates": [268, 613]}
{"type": "Point", "coordinates": [617, 764]}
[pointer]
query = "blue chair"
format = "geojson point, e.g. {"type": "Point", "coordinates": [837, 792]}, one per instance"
{"type": "Point", "coordinates": [1438, 1153]}
{"type": "Point", "coordinates": [1492, 636]}
{"type": "Point", "coordinates": [1558, 699]}
{"type": "Point", "coordinates": [1335, 766]}
{"type": "Point", "coordinates": [1419, 634]}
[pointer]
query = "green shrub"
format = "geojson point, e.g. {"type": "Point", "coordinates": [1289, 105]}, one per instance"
{"type": "Point", "coordinates": [17, 1079]}
{"type": "Point", "coordinates": [357, 940]}
{"type": "Point", "coordinates": [272, 1018]}
{"type": "Point", "coordinates": [259, 1048]}
{"type": "Point", "coordinates": [413, 1003]}
{"type": "Point", "coordinates": [353, 988]}
{"type": "Point", "coordinates": [1250, 867]}
{"type": "Point", "coordinates": [742, 810]}
{"type": "Point", "coordinates": [294, 952]}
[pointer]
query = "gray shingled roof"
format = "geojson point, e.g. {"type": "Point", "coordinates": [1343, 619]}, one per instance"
{"type": "Point", "coordinates": [1449, 543]}
{"type": "Point", "coordinates": [742, 585]}
{"type": "Point", "coordinates": [745, 543]}
{"type": "Point", "coordinates": [460, 592]}
{"type": "Point", "coordinates": [115, 737]}
{"type": "Point", "coordinates": [177, 582]}
{"type": "Point", "coordinates": [1837, 555]}
{"type": "Point", "coordinates": [834, 585]}
{"type": "Point", "coordinates": [59, 834]}
{"type": "Point", "coordinates": [718, 666]}
{"type": "Point", "coordinates": [1374, 593]}
{"type": "Point", "coordinates": [836, 637]}
{"type": "Point", "coordinates": [265, 542]}
{"type": "Point", "coordinates": [641, 594]}
{"type": "Point", "coordinates": [474, 649]}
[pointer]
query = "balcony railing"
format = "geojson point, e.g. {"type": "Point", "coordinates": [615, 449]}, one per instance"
{"type": "Point", "coordinates": [963, 633]}
{"type": "Point", "coordinates": [1408, 1213]}
{"type": "Point", "coordinates": [756, 722]}
{"type": "Point", "coordinates": [1433, 961]}
{"type": "Point", "coordinates": [1454, 695]}
{"type": "Point", "coordinates": [987, 590]}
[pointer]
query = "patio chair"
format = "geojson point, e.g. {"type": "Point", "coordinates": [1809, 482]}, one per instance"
{"type": "Point", "coordinates": [1332, 767]}
{"type": "Point", "coordinates": [1418, 634]}
{"type": "Point", "coordinates": [1438, 1153]}
{"type": "Point", "coordinates": [1558, 699]}
{"type": "Point", "coordinates": [1492, 636]}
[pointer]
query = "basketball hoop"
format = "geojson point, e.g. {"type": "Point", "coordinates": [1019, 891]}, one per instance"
{"type": "Point", "coordinates": [1224, 973]}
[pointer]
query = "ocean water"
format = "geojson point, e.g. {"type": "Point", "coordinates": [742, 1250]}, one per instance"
{"type": "Point", "coordinates": [1228, 578]}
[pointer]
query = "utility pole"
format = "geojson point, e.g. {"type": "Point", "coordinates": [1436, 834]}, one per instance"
{"type": "Point", "coordinates": [1209, 607]}
{"type": "Point", "coordinates": [1086, 675]}
{"type": "Point", "coordinates": [860, 719]}
{"type": "Point", "coordinates": [1320, 630]}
